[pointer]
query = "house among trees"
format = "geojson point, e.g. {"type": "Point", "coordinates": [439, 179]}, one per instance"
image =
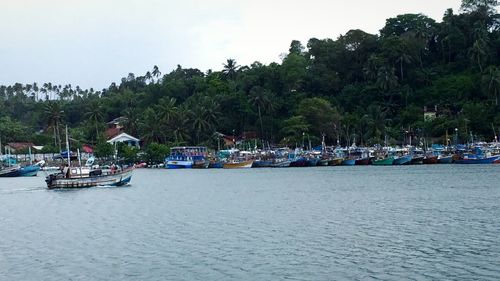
{"type": "Point", "coordinates": [115, 133]}
{"type": "Point", "coordinates": [125, 138]}
{"type": "Point", "coordinates": [16, 147]}
{"type": "Point", "coordinates": [430, 114]}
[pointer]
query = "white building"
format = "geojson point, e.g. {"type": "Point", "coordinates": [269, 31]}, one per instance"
{"type": "Point", "coordinates": [125, 138]}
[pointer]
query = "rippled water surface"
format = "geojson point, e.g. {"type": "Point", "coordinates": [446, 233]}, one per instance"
{"type": "Point", "coordinates": [391, 223]}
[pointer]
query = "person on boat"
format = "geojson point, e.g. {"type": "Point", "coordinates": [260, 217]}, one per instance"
{"type": "Point", "coordinates": [113, 168]}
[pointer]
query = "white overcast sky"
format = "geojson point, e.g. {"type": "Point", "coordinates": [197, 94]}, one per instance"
{"type": "Point", "coordinates": [92, 43]}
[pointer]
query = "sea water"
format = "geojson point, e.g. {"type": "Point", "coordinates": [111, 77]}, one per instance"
{"type": "Point", "coordinates": [436, 222]}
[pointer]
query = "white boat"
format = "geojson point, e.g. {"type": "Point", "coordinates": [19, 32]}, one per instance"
{"type": "Point", "coordinates": [79, 177]}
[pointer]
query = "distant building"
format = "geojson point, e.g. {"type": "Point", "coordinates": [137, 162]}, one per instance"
{"type": "Point", "coordinates": [430, 114]}
{"type": "Point", "coordinates": [15, 147]}
{"type": "Point", "coordinates": [125, 138]}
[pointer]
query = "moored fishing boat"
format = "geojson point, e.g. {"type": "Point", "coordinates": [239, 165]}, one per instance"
{"type": "Point", "coordinates": [477, 160]}
{"type": "Point", "coordinates": [348, 162]}
{"type": "Point", "coordinates": [335, 162]}
{"type": "Point", "coordinates": [442, 159]}
{"type": "Point", "coordinates": [312, 162]}
{"type": "Point", "coordinates": [298, 162]}
{"type": "Point", "coordinates": [417, 160]}
{"type": "Point", "coordinates": [281, 163]}
{"type": "Point", "coordinates": [384, 161]}
{"type": "Point", "coordinates": [323, 162]}
{"type": "Point", "coordinates": [430, 159]}
{"type": "Point", "coordinates": [237, 164]}
{"type": "Point", "coordinates": [402, 160]}
{"type": "Point", "coordinates": [262, 163]}
{"type": "Point", "coordinates": [183, 157]}
{"type": "Point", "coordinates": [362, 161]}
{"type": "Point", "coordinates": [12, 171]}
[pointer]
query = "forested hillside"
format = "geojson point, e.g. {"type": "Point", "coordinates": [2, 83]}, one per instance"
{"type": "Point", "coordinates": [358, 86]}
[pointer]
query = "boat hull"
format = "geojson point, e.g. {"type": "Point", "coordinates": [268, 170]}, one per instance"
{"type": "Point", "coordinates": [384, 162]}
{"type": "Point", "coordinates": [281, 164]}
{"type": "Point", "coordinates": [335, 162]}
{"type": "Point", "coordinates": [299, 162]}
{"type": "Point", "coordinates": [179, 164]}
{"type": "Point", "coordinates": [348, 162]}
{"type": "Point", "coordinates": [238, 165]}
{"type": "Point", "coordinates": [362, 161]}
{"type": "Point", "coordinates": [488, 160]}
{"type": "Point", "coordinates": [312, 162]}
{"type": "Point", "coordinates": [445, 160]}
{"type": "Point", "coordinates": [10, 172]}
{"type": "Point", "coordinates": [261, 164]}
{"type": "Point", "coordinates": [430, 160]}
{"type": "Point", "coordinates": [403, 160]}
{"type": "Point", "coordinates": [116, 179]}
{"type": "Point", "coordinates": [417, 160]}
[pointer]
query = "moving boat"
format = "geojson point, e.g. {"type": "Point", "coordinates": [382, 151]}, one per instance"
{"type": "Point", "coordinates": [79, 177]}
{"type": "Point", "coordinates": [84, 176]}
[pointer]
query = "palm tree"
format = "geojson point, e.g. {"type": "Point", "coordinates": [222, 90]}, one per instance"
{"type": "Point", "coordinates": [230, 69]}
{"type": "Point", "coordinates": [167, 109]}
{"type": "Point", "coordinates": [148, 76]}
{"type": "Point", "coordinates": [156, 72]}
{"type": "Point", "coordinates": [54, 116]}
{"type": "Point", "coordinates": [95, 116]}
{"type": "Point", "coordinates": [198, 121]}
{"type": "Point", "coordinates": [491, 82]}
{"type": "Point", "coordinates": [386, 79]}
{"type": "Point", "coordinates": [260, 98]}
{"type": "Point", "coordinates": [132, 121]}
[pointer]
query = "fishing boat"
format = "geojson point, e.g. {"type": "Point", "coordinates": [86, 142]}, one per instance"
{"type": "Point", "coordinates": [417, 160]}
{"type": "Point", "coordinates": [348, 162]}
{"type": "Point", "coordinates": [183, 157]}
{"type": "Point", "coordinates": [402, 160]}
{"type": "Point", "coordinates": [312, 161]}
{"type": "Point", "coordinates": [384, 161]}
{"type": "Point", "coordinates": [84, 176]}
{"type": "Point", "coordinates": [323, 162]}
{"type": "Point", "coordinates": [469, 159]}
{"type": "Point", "coordinates": [214, 164]}
{"type": "Point", "coordinates": [80, 177]}
{"type": "Point", "coordinates": [12, 171]}
{"type": "Point", "coordinates": [430, 159]}
{"type": "Point", "coordinates": [298, 162]}
{"type": "Point", "coordinates": [238, 164]}
{"type": "Point", "coordinates": [445, 159]}
{"type": "Point", "coordinates": [362, 161]}
{"type": "Point", "coordinates": [281, 163]}
{"type": "Point", "coordinates": [335, 162]}
{"type": "Point", "coordinates": [262, 163]}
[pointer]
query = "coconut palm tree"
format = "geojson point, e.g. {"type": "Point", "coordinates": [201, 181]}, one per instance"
{"type": "Point", "coordinates": [54, 116]}
{"type": "Point", "coordinates": [95, 116]}
{"type": "Point", "coordinates": [230, 69]}
{"type": "Point", "coordinates": [156, 72]}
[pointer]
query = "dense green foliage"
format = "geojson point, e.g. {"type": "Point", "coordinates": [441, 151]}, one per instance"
{"type": "Point", "coordinates": [360, 86]}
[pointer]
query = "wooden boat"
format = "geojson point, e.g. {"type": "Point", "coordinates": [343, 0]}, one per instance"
{"type": "Point", "coordinates": [238, 164]}
{"type": "Point", "coordinates": [312, 162]}
{"type": "Point", "coordinates": [478, 160]}
{"type": "Point", "coordinates": [215, 165]}
{"type": "Point", "coordinates": [417, 160]}
{"type": "Point", "coordinates": [12, 171]}
{"type": "Point", "coordinates": [384, 162]}
{"type": "Point", "coordinates": [281, 163]}
{"type": "Point", "coordinates": [430, 159]}
{"type": "Point", "coordinates": [298, 162]}
{"type": "Point", "coordinates": [200, 164]}
{"type": "Point", "coordinates": [348, 162]}
{"type": "Point", "coordinates": [335, 162]}
{"type": "Point", "coordinates": [323, 162]}
{"type": "Point", "coordinates": [262, 163]}
{"type": "Point", "coordinates": [81, 177]}
{"type": "Point", "coordinates": [403, 160]}
{"type": "Point", "coordinates": [445, 159]}
{"type": "Point", "coordinates": [362, 161]}
{"type": "Point", "coordinates": [183, 157]}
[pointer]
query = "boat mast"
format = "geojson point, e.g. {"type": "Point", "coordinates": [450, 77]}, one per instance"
{"type": "Point", "coordinates": [67, 146]}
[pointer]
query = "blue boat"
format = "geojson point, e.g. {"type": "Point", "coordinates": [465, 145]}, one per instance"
{"type": "Point", "coordinates": [185, 157]}
{"type": "Point", "coordinates": [29, 171]}
{"type": "Point", "coordinates": [312, 162]}
{"type": "Point", "coordinates": [348, 162]}
{"type": "Point", "coordinates": [403, 160]}
{"type": "Point", "coordinates": [262, 163]}
{"type": "Point", "coordinates": [298, 162]}
{"type": "Point", "coordinates": [474, 159]}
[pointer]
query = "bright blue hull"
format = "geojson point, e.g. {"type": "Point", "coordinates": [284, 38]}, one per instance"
{"type": "Point", "coordinates": [489, 160]}
{"type": "Point", "coordinates": [179, 166]}
{"type": "Point", "coordinates": [403, 160]}
{"type": "Point", "coordinates": [29, 171]}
